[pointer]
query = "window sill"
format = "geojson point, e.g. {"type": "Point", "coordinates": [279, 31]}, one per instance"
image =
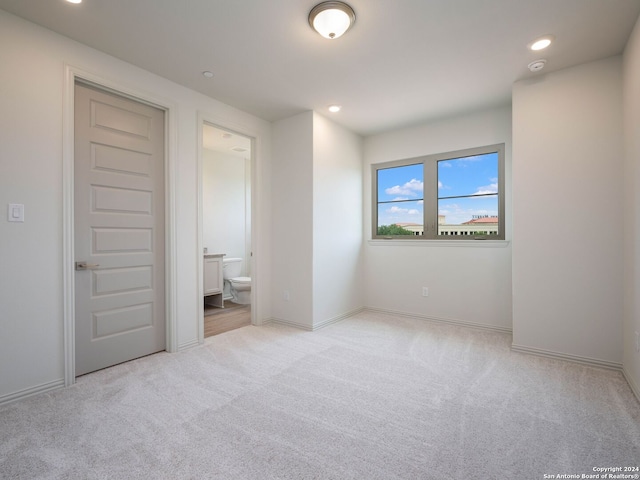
{"type": "Point", "coordinates": [441, 243]}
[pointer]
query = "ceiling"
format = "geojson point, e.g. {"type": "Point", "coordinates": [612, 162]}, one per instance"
{"type": "Point", "coordinates": [404, 62]}
{"type": "Point", "coordinates": [224, 141]}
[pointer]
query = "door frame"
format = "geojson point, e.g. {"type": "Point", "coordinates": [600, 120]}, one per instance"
{"type": "Point", "coordinates": [73, 74]}
{"type": "Point", "coordinates": [224, 124]}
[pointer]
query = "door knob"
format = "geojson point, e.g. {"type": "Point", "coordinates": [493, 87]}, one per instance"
{"type": "Point", "coordinates": [86, 266]}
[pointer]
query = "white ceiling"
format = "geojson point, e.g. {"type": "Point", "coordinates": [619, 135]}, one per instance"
{"type": "Point", "coordinates": [224, 141]}
{"type": "Point", "coordinates": [404, 61]}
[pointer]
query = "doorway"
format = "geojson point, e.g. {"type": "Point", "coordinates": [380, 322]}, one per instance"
{"type": "Point", "coordinates": [119, 225]}
{"type": "Point", "coordinates": [226, 176]}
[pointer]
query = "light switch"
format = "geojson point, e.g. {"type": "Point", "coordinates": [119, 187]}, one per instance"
{"type": "Point", "coordinates": [15, 212]}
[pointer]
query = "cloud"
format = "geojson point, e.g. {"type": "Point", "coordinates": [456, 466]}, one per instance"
{"type": "Point", "coordinates": [445, 164]}
{"type": "Point", "coordinates": [440, 185]}
{"type": "Point", "coordinates": [396, 210]}
{"type": "Point", "coordinates": [409, 189]}
{"type": "Point", "coordinates": [399, 199]}
{"type": "Point", "coordinates": [403, 211]}
{"type": "Point", "coordinates": [449, 209]}
{"type": "Point", "coordinates": [472, 158]}
{"type": "Point", "coordinates": [487, 189]}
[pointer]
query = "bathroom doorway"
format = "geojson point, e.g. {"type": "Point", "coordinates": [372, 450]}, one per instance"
{"type": "Point", "coordinates": [226, 228]}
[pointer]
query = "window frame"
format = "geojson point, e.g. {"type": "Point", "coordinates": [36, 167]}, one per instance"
{"type": "Point", "coordinates": [430, 194]}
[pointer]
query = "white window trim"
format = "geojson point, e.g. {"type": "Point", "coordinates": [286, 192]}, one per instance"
{"type": "Point", "coordinates": [413, 242]}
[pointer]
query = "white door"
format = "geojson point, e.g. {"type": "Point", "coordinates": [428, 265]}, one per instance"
{"type": "Point", "coordinates": [119, 229]}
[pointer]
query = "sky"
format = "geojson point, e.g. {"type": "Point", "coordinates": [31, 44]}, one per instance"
{"type": "Point", "coordinates": [403, 187]}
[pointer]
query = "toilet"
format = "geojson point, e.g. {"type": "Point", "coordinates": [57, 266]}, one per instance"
{"type": "Point", "coordinates": [239, 287]}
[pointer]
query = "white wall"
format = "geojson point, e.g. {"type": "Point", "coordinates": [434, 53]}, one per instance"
{"type": "Point", "coordinates": [31, 101]}
{"type": "Point", "coordinates": [337, 221]}
{"type": "Point", "coordinates": [224, 205]}
{"type": "Point", "coordinates": [567, 199]}
{"type": "Point", "coordinates": [292, 227]}
{"type": "Point", "coordinates": [631, 102]}
{"type": "Point", "coordinates": [317, 190]}
{"type": "Point", "coordinates": [468, 283]}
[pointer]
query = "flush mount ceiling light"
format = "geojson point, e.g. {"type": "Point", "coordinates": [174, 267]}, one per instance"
{"type": "Point", "coordinates": [541, 43]}
{"type": "Point", "coordinates": [331, 19]}
{"type": "Point", "coordinates": [207, 74]}
{"type": "Point", "coordinates": [334, 108]}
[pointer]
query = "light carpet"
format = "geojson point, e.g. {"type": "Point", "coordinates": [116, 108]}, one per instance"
{"type": "Point", "coordinates": [371, 397]}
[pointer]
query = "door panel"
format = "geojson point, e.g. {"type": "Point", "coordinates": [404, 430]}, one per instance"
{"type": "Point", "coordinates": [122, 240]}
{"type": "Point", "coordinates": [119, 227]}
{"type": "Point", "coordinates": [120, 280]}
{"type": "Point", "coordinates": [120, 160]}
{"type": "Point", "coordinates": [122, 200]}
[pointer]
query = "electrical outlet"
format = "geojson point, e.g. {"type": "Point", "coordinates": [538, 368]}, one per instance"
{"type": "Point", "coordinates": [425, 292]}
{"type": "Point", "coordinates": [285, 295]}
{"type": "Point", "coordinates": [637, 342]}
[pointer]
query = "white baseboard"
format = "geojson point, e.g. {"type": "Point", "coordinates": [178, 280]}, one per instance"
{"type": "Point", "coordinates": [634, 387]}
{"type": "Point", "coordinates": [318, 325]}
{"type": "Point", "coordinates": [431, 318]}
{"type": "Point", "coordinates": [593, 362]}
{"type": "Point", "coordinates": [288, 323]}
{"type": "Point", "coordinates": [28, 392]}
{"type": "Point", "coordinates": [337, 319]}
{"type": "Point", "coordinates": [188, 345]}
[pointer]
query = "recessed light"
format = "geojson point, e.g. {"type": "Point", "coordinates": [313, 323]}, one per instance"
{"type": "Point", "coordinates": [334, 108]}
{"type": "Point", "coordinates": [541, 43]}
{"type": "Point", "coordinates": [74, 1]}
{"type": "Point", "coordinates": [207, 74]}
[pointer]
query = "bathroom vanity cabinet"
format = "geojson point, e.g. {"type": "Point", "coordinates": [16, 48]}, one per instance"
{"type": "Point", "coordinates": [213, 283]}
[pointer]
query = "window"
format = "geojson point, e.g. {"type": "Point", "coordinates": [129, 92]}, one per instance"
{"type": "Point", "coordinates": [454, 196]}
